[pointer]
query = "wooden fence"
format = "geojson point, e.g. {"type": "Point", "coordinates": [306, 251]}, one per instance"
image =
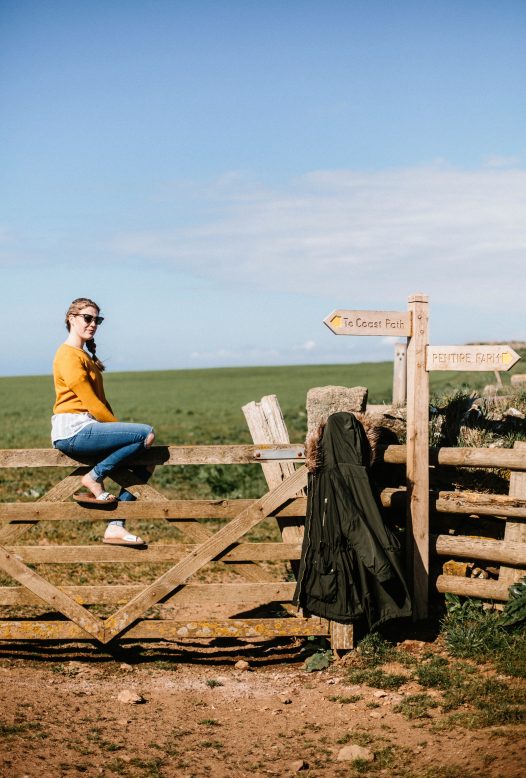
{"type": "Point", "coordinates": [176, 606]}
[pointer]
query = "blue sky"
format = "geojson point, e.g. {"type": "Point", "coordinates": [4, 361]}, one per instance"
{"type": "Point", "coordinates": [219, 176]}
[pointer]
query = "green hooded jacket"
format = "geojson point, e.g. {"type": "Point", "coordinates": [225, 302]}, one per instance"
{"type": "Point", "coordinates": [350, 567]}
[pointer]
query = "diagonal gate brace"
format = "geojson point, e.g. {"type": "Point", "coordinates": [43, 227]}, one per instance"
{"type": "Point", "coordinates": [51, 595]}
{"type": "Point", "coordinates": [211, 548]}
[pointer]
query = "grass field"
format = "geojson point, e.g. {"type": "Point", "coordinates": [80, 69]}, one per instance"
{"type": "Point", "coordinates": [204, 406]}
{"type": "Point", "coordinates": [194, 407]}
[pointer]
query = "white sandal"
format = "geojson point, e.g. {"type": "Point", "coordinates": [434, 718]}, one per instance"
{"type": "Point", "coordinates": [119, 536]}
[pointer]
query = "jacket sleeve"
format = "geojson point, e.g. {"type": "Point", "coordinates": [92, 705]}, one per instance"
{"type": "Point", "coordinates": [76, 378]}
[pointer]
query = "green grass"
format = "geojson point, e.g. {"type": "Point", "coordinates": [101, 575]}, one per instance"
{"type": "Point", "coordinates": [204, 406]}
{"type": "Point", "coordinates": [345, 700]}
{"type": "Point", "coordinates": [471, 632]}
{"type": "Point", "coordinates": [416, 706]}
{"type": "Point", "coordinates": [376, 678]}
{"type": "Point", "coordinates": [193, 407]}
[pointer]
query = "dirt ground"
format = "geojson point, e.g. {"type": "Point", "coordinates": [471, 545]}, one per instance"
{"type": "Point", "coordinates": [201, 716]}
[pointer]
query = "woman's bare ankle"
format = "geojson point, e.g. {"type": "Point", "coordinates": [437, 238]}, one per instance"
{"type": "Point", "coordinates": [95, 487]}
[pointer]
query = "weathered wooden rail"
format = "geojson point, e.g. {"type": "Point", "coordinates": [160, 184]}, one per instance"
{"type": "Point", "coordinates": [178, 606]}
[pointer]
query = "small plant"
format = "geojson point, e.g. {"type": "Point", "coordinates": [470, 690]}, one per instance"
{"type": "Point", "coordinates": [515, 609]}
{"type": "Point", "coordinates": [377, 678]}
{"type": "Point", "coordinates": [345, 700]}
{"type": "Point", "coordinates": [374, 650]}
{"type": "Point", "coordinates": [416, 706]}
{"type": "Point", "coordinates": [513, 660]}
{"type": "Point", "coordinates": [210, 722]}
{"type": "Point", "coordinates": [435, 673]}
{"type": "Point", "coordinates": [11, 729]}
{"type": "Point", "coordinates": [321, 660]}
{"type": "Point", "coordinates": [108, 746]}
{"type": "Point", "coordinates": [362, 738]}
{"type": "Point", "coordinates": [361, 766]}
{"type": "Point", "coordinates": [472, 632]}
{"type": "Point", "coordinates": [213, 683]}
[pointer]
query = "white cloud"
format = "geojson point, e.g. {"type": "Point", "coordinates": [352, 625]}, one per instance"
{"type": "Point", "coordinates": [363, 234]}
{"type": "Point", "coordinates": [309, 345]}
{"type": "Point", "coordinates": [249, 355]}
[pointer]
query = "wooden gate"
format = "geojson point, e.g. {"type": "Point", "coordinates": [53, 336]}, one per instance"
{"type": "Point", "coordinates": [173, 606]}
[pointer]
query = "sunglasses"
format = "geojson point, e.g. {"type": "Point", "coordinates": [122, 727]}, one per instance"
{"type": "Point", "coordinates": [88, 318]}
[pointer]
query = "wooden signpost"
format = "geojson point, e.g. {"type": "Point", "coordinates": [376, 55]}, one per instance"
{"type": "Point", "coordinates": [420, 359]}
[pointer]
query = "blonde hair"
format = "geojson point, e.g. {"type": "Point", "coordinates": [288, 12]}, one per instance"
{"type": "Point", "coordinates": [75, 308]}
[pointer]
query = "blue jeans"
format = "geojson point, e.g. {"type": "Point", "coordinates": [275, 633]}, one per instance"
{"type": "Point", "coordinates": [116, 442]}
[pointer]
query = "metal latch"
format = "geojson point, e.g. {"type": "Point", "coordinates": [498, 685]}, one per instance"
{"type": "Point", "coordinates": [279, 453]}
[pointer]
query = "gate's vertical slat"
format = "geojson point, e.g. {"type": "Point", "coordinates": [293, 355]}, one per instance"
{"type": "Point", "coordinates": [267, 425]}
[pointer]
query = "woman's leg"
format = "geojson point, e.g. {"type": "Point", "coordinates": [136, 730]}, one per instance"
{"type": "Point", "coordinates": [117, 441]}
{"type": "Point", "coordinates": [144, 474]}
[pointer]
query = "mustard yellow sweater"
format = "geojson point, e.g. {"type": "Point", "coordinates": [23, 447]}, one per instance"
{"type": "Point", "coordinates": [78, 384]}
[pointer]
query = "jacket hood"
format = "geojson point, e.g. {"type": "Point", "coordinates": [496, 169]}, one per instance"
{"type": "Point", "coordinates": [342, 437]}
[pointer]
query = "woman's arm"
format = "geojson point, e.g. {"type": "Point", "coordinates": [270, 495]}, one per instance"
{"type": "Point", "coordinates": [89, 399]}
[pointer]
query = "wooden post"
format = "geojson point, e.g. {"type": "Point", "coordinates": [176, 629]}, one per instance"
{"type": "Point", "coordinates": [400, 375]}
{"type": "Point", "coordinates": [515, 531]}
{"type": "Point", "coordinates": [418, 455]}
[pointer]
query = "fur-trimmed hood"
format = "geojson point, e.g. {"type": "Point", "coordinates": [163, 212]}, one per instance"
{"type": "Point", "coordinates": [313, 449]}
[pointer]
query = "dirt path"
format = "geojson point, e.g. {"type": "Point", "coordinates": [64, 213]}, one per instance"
{"type": "Point", "coordinates": [201, 716]}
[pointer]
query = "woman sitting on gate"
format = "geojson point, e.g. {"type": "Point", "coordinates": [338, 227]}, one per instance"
{"type": "Point", "coordinates": [83, 425]}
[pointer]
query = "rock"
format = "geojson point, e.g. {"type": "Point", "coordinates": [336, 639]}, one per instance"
{"type": "Point", "coordinates": [377, 714]}
{"type": "Point", "coordinates": [324, 400]}
{"type": "Point", "coordinates": [285, 700]}
{"type": "Point", "coordinates": [125, 666]}
{"type": "Point", "coordinates": [130, 697]}
{"type": "Point", "coordinates": [352, 752]}
{"type": "Point", "coordinates": [298, 765]}
{"type": "Point", "coordinates": [241, 665]}
{"type": "Point", "coordinates": [380, 693]}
